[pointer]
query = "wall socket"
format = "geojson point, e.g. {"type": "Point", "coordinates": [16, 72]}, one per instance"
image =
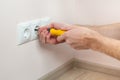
{"type": "Point", "coordinates": [26, 30]}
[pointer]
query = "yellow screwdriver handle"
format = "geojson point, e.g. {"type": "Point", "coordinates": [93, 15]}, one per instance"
{"type": "Point", "coordinates": [55, 32]}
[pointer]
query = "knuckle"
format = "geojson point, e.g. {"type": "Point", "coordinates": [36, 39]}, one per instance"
{"type": "Point", "coordinates": [73, 46]}
{"type": "Point", "coordinates": [68, 42]}
{"type": "Point", "coordinates": [65, 34]}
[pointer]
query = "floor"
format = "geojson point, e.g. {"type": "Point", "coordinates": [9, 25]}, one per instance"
{"type": "Point", "coordinates": [82, 74]}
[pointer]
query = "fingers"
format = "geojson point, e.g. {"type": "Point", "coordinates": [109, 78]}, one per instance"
{"type": "Point", "coordinates": [41, 29]}
{"type": "Point", "coordinates": [45, 37]}
{"type": "Point", "coordinates": [60, 26]}
{"type": "Point", "coordinates": [42, 35]}
{"type": "Point", "coordinates": [57, 26]}
{"type": "Point", "coordinates": [61, 38]}
{"type": "Point", "coordinates": [48, 39]}
{"type": "Point", "coordinates": [51, 39]}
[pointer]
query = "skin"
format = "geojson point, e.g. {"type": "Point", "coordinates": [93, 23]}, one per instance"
{"type": "Point", "coordinates": [86, 37]}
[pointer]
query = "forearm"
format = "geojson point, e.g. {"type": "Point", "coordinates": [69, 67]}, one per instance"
{"type": "Point", "coordinates": [106, 43]}
{"type": "Point", "coordinates": [108, 46]}
{"type": "Point", "coordinates": [110, 30]}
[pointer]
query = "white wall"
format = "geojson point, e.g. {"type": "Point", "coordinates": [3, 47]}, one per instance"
{"type": "Point", "coordinates": [92, 11]}
{"type": "Point", "coordinates": [32, 60]}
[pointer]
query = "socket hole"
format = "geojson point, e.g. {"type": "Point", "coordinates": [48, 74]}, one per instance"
{"type": "Point", "coordinates": [27, 33]}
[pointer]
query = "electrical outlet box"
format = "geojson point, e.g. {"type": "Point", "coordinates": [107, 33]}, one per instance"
{"type": "Point", "coordinates": [26, 30]}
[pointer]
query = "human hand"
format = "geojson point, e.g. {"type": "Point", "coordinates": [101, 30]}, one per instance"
{"type": "Point", "coordinates": [80, 38]}
{"type": "Point", "coordinates": [46, 37]}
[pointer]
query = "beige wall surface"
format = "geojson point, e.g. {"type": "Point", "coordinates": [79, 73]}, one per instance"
{"type": "Point", "coordinates": [32, 60]}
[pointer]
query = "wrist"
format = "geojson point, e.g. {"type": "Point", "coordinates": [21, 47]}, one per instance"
{"type": "Point", "coordinates": [97, 42]}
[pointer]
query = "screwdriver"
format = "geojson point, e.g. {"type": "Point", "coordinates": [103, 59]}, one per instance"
{"type": "Point", "coordinates": [53, 31]}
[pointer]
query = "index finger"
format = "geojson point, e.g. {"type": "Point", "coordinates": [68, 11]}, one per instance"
{"type": "Point", "coordinates": [60, 26]}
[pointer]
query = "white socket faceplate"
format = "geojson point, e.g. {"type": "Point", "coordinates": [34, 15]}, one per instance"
{"type": "Point", "coordinates": [26, 31]}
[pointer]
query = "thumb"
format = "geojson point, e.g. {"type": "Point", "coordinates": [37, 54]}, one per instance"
{"type": "Point", "coordinates": [61, 38]}
{"type": "Point", "coordinates": [61, 26]}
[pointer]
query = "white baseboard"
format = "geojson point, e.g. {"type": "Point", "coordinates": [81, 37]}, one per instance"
{"type": "Point", "coordinates": [97, 67]}
{"type": "Point", "coordinates": [59, 71]}
{"type": "Point", "coordinates": [80, 64]}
